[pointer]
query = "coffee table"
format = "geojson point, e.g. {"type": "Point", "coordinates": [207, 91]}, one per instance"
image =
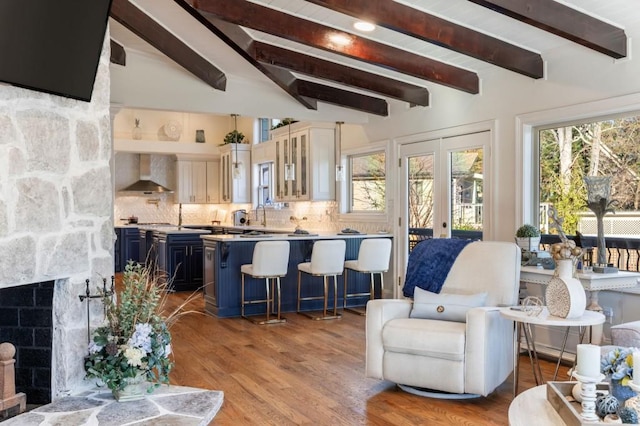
{"type": "Point", "coordinates": [532, 404]}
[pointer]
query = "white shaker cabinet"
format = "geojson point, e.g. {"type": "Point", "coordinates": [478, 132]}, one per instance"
{"type": "Point", "coordinates": [235, 173]}
{"type": "Point", "coordinates": [213, 181]}
{"type": "Point", "coordinates": [310, 148]}
{"type": "Point", "coordinates": [192, 182]}
{"type": "Point", "coordinates": [198, 181]}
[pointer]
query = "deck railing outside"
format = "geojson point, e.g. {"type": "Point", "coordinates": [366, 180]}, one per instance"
{"type": "Point", "coordinates": [622, 252]}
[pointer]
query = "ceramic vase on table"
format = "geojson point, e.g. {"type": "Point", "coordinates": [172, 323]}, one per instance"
{"type": "Point", "coordinates": [565, 296]}
{"type": "Point", "coordinates": [135, 389]}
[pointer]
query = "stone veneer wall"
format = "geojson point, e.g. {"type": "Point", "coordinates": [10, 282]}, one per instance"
{"type": "Point", "coordinates": [56, 207]}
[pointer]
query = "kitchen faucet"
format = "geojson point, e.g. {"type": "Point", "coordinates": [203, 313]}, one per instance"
{"type": "Point", "coordinates": [264, 214]}
{"type": "Point", "coordinates": [180, 216]}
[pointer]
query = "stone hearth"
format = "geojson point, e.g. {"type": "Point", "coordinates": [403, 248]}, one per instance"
{"type": "Point", "coordinates": [168, 405]}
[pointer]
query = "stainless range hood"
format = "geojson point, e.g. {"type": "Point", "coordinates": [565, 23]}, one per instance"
{"type": "Point", "coordinates": [145, 184]}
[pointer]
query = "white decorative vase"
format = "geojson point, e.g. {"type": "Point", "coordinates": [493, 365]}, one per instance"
{"type": "Point", "coordinates": [136, 388]}
{"type": "Point", "coordinates": [565, 296]}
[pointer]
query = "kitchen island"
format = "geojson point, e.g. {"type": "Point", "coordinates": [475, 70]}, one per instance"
{"type": "Point", "coordinates": [224, 254]}
{"type": "Point", "coordinates": [179, 253]}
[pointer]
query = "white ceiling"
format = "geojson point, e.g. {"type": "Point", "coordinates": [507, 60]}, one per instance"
{"type": "Point", "coordinates": [622, 13]}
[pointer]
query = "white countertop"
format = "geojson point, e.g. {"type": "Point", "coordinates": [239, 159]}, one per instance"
{"type": "Point", "coordinates": [176, 230]}
{"type": "Point", "coordinates": [289, 237]}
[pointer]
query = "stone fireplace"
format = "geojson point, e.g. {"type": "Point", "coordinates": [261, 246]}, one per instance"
{"type": "Point", "coordinates": [56, 227]}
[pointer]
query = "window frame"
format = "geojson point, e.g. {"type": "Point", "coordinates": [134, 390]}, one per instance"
{"type": "Point", "coordinates": [344, 195]}
{"type": "Point", "coordinates": [527, 130]}
{"type": "Point", "coordinates": [261, 186]}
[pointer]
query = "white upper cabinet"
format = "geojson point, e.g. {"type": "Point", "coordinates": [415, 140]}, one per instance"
{"type": "Point", "coordinates": [307, 149]}
{"type": "Point", "coordinates": [235, 173]}
{"type": "Point", "coordinates": [196, 182]}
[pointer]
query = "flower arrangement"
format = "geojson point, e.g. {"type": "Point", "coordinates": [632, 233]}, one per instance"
{"type": "Point", "coordinates": [136, 340]}
{"type": "Point", "coordinates": [618, 363]}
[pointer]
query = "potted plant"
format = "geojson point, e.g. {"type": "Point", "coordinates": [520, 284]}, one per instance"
{"type": "Point", "coordinates": [131, 353]}
{"type": "Point", "coordinates": [528, 237]}
{"type": "Point", "coordinates": [234, 136]}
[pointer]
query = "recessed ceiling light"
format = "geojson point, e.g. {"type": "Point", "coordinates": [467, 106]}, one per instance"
{"type": "Point", "coordinates": [364, 26]}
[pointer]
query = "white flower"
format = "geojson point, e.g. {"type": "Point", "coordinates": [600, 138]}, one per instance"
{"type": "Point", "coordinates": [94, 347]}
{"type": "Point", "coordinates": [134, 356]}
{"type": "Point", "coordinates": [142, 337]}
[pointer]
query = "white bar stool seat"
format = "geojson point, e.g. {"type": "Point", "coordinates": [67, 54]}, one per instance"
{"type": "Point", "coordinates": [327, 259]}
{"type": "Point", "coordinates": [270, 261]}
{"type": "Point", "coordinates": [373, 259]}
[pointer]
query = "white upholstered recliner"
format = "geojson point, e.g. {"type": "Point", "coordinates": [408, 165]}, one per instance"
{"type": "Point", "coordinates": [467, 358]}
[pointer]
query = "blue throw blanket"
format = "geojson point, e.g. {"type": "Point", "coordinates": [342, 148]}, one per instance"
{"type": "Point", "coordinates": [430, 262]}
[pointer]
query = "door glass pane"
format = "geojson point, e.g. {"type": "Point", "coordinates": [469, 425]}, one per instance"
{"type": "Point", "coordinates": [420, 198]}
{"type": "Point", "coordinates": [466, 182]}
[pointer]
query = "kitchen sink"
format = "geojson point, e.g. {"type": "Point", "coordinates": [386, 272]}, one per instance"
{"type": "Point", "coordinates": [255, 235]}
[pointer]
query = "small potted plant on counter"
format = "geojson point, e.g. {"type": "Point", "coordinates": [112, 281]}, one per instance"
{"type": "Point", "coordinates": [528, 237]}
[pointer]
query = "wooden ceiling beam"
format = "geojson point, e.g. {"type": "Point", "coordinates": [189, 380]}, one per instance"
{"type": "Point", "coordinates": [421, 25]}
{"type": "Point", "coordinates": [271, 21]}
{"type": "Point", "coordinates": [340, 97]}
{"type": "Point", "coordinates": [305, 92]}
{"type": "Point", "coordinates": [153, 33]}
{"type": "Point", "coordinates": [320, 68]}
{"type": "Point", "coordinates": [118, 54]}
{"type": "Point", "coordinates": [565, 22]}
{"type": "Point", "coordinates": [238, 39]}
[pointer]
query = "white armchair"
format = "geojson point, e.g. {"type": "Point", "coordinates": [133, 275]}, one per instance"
{"type": "Point", "coordinates": [466, 358]}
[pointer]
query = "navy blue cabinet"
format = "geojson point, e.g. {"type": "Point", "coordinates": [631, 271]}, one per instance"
{"type": "Point", "coordinates": [117, 255]}
{"type": "Point", "coordinates": [130, 245]}
{"type": "Point", "coordinates": [180, 257]}
{"type": "Point", "coordinates": [126, 247]}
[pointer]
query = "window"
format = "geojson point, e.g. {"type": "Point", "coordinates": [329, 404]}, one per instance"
{"type": "Point", "coordinates": [568, 152]}
{"type": "Point", "coordinates": [367, 178]}
{"type": "Point", "coordinates": [265, 184]}
{"type": "Point", "coordinates": [264, 126]}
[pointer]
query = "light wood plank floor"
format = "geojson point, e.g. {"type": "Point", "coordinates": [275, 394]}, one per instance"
{"type": "Point", "coordinates": [307, 372]}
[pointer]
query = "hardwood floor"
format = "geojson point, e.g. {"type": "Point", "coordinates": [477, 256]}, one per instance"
{"type": "Point", "coordinates": [311, 372]}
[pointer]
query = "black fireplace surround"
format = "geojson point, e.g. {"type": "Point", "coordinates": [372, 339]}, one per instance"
{"type": "Point", "coordinates": [26, 322]}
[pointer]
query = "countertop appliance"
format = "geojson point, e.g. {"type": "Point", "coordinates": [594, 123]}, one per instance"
{"type": "Point", "coordinates": [240, 217]}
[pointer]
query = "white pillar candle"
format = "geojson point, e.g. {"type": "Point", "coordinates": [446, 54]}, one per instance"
{"type": "Point", "coordinates": [636, 367]}
{"type": "Point", "coordinates": [588, 364]}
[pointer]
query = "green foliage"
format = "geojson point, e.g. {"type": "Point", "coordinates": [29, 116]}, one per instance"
{"type": "Point", "coordinates": [284, 122]}
{"type": "Point", "coordinates": [527, 231]}
{"type": "Point", "coordinates": [234, 136]}
{"type": "Point", "coordinates": [136, 338]}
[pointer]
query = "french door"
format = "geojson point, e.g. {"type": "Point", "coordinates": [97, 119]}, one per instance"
{"type": "Point", "coordinates": [444, 183]}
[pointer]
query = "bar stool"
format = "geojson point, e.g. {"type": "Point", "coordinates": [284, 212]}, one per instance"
{"type": "Point", "coordinates": [373, 258]}
{"type": "Point", "coordinates": [270, 261]}
{"type": "Point", "coordinates": [327, 259]}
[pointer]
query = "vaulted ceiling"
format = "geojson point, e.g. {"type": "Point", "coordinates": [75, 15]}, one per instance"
{"type": "Point", "coordinates": [312, 52]}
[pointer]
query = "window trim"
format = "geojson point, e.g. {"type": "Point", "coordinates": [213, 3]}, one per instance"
{"type": "Point", "coordinates": [343, 195]}
{"type": "Point", "coordinates": [527, 126]}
